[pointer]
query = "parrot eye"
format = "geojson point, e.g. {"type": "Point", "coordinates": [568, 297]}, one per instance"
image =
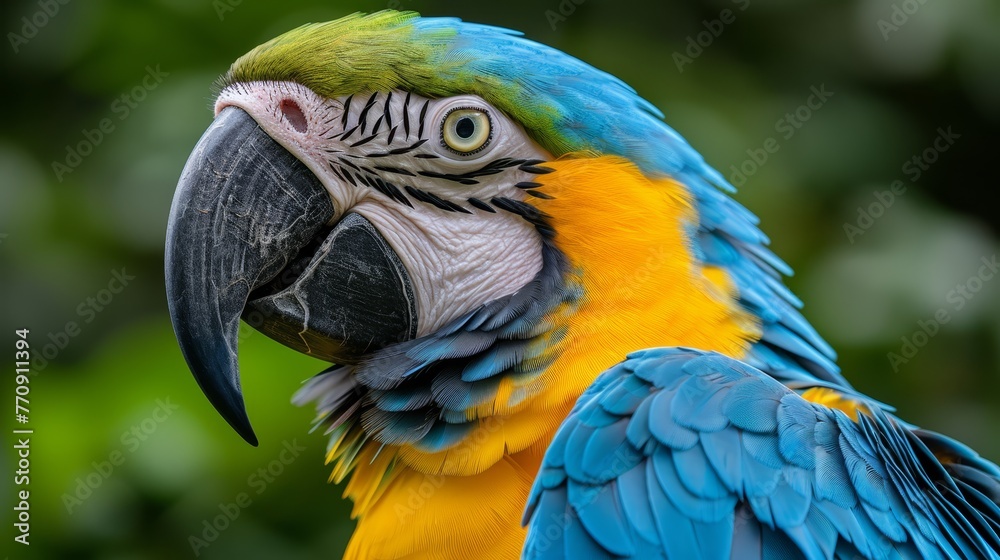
{"type": "Point", "coordinates": [466, 131]}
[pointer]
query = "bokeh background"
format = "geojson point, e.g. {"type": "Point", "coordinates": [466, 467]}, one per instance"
{"type": "Point", "coordinates": [64, 235]}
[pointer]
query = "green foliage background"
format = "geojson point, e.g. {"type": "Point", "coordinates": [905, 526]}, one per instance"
{"type": "Point", "coordinates": [61, 240]}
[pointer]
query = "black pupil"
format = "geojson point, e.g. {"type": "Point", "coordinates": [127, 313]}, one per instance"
{"type": "Point", "coordinates": [465, 128]}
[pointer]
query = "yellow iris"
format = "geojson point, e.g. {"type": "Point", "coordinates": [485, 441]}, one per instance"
{"type": "Point", "coordinates": [466, 131]}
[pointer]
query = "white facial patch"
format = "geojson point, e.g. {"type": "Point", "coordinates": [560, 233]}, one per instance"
{"type": "Point", "coordinates": [434, 176]}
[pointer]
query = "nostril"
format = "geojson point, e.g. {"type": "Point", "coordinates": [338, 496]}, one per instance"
{"type": "Point", "coordinates": [294, 114]}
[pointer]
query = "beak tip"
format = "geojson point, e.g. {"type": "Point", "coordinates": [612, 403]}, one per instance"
{"type": "Point", "coordinates": [235, 412]}
{"type": "Point", "coordinates": [246, 432]}
{"type": "Point", "coordinates": [216, 370]}
{"type": "Point", "coordinates": [238, 420]}
{"type": "Point", "coordinates": [221, 385]}
{"type": "Point", "coordinates": [227, 399]}
{"type": "Point", "coordinates": [228, 402]}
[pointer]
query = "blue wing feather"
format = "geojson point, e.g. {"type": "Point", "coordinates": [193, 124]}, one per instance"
{"type": "Point", "coordinates": [779, 477]}
{"type": "Point", "coordinates": [601, 514]}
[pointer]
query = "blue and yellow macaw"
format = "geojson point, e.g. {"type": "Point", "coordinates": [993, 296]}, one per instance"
{"type": "Point", "coordinates": [554, 333]}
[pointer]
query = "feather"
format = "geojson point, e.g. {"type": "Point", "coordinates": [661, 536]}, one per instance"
{"type": "Point", "coordinates": [806, 482]}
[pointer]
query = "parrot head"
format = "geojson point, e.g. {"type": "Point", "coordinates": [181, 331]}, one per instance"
{"type": "Point", "coordinates": [467, 224]}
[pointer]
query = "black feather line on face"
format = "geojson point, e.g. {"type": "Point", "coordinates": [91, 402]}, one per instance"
{"type": "Point", "coordinates": [536, 170]}
{"type": "Point", "coordinates": [397, 151]}
{"type": "Point", "coordinates": [423, 117]}
{"type": "Point", "coordinates": [394, 170]}
{"type": "Point", "coordinates": [532, 215]}
{"type": "Point", "coordinates": [363, 118]}
{"type": "Point", "coordinates": [385, 110]}
{"type": "Point", "coordinates": [481, 205]}
{"type": "Point", "coordinates": [378, 124]}
{"type": "Point", "coordinates": [457, 208]}
{"type": "Point", "coordinates": [429, 198]}
{"type": "Point", "coordinates": [523, 209]}
{"type": "Point", "coordinates": [406, 115]}
{"type": "Point", "coordinates": [336, 171]}
{"type": "Point", "coordinates": [347, 111]}
{"type": "Point", "coordinates": [448, 177]}
{"type": "Point", "coordinates": [364, 141]}
{"type": "Point", "coordinates": [348, 134]}
{"type": "Point", "coordinates": [390, 190]}
{"type": "Point", "coordinates": [348, 163]}
{"type": "Point", "coordinates": [539, 194]}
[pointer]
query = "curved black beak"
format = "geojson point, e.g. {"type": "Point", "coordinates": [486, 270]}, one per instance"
{"type": "Point", "coordinates": [244, 206]}
{"type": "Point", "coordinates": [251, 223]}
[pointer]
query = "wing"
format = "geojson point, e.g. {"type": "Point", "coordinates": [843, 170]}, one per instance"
{"type": "Point", "coordinates": [681, 454]}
